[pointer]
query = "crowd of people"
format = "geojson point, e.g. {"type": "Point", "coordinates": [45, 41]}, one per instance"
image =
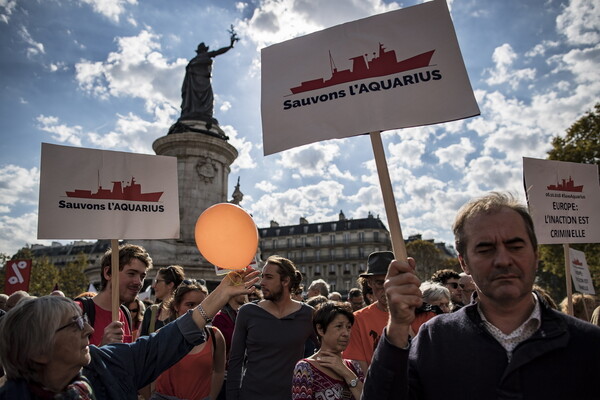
{"type": "Point", "coordinates": [260, 335]}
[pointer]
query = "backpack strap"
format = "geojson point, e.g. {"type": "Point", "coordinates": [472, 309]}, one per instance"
{"type": "Point", "coordinates": [127, 313]}
{"type": "Point", "coordinates": [88, 307]}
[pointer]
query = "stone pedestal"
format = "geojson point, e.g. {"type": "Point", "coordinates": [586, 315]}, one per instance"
{"type": "Point", "coordinates": [203, 161]}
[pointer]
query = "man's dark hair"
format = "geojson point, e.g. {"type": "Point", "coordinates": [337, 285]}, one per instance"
{"type": "Point", "coordinates": [286, 268]}
{"type": "Point", "coordinates": [127, 252]}
{"type": "Point", "coordinates": [327, 311]}
{"type": "Point", "coordinates": [354, 292]}
{"type": "Point", "coordinates": [442, 275]}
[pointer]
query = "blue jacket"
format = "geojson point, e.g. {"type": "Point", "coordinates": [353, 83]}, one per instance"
{"type": "Point", "coordinates": [117, 371]}
{"type": "Point", "coordinates": [454, 357]}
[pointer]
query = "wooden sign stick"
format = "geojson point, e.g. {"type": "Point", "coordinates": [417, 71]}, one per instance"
{"type": "Point", "coordinates": [388, 197]}
{"type": "Point", "coordinates": [568, 279]}
{"type": "Point", "coordinates": [116, 299]}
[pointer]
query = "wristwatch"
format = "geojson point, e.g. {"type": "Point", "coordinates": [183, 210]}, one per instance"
{"type": "Point", "coordinates": [353, 383]}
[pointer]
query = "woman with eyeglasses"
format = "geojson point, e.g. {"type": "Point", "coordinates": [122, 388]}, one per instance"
{"type": "Point", "coordinates": [45, 351]}
{"type": "Point", "coordinates": [199, 375]}
{"type": "Point", "coordinates": [166, 282]}
{"type": "Point", "coordinates": [136, 309]}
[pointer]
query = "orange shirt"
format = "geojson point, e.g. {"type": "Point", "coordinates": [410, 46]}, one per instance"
{"type": "Point", "coordinates": [366, 331]}
{"type": "Point", "coordinates": [191, 377]}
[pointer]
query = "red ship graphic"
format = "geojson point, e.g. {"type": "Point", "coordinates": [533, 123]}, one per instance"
{"type": "Point", "coordinates": [133, 192]}
{"type": "Point", "coordinates": [566, 186]}
{"type": "Point", "coordinates": [577, 262]}
{"type": "Point", "coordinates": [383, 64]}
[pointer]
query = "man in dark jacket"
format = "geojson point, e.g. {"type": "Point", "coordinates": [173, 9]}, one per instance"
{"type": "Point", "coordinates": [512, 344]}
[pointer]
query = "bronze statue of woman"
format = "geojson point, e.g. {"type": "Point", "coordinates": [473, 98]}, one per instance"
{"type": "Point", "coordinates": [196, 91]}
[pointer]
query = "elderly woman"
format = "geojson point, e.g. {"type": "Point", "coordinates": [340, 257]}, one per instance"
{"type": "Point", "coordinates": [326, 375]}
{"type": "Point", "coordinates": [436, 300]}
{"type": "Point", "coordinates": [45, 351]}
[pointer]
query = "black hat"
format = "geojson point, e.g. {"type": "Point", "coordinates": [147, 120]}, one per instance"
{"type": "Point", "coordinates": [378, 263]}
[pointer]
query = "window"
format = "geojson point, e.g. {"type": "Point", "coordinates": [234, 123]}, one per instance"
{"type": "Point", "coordinates": [347, 283]}
{"type": "Point", "coordinates": [331, 269]}
{"type": "Point", "coordinates": [346, 252]}
{"type": "Point", "coordinates": [332, 285]}
{"type": "Point", "coordinates": [303, 270]}
{"type": "Point", "coordinates": [302, 255]}
{"type": "Point", "coordinates": [318, 240]}
{"type": "Point", "coordinates": [319, 227]}
{"type": "Point", "coordinates": [333, 226]}
{"type": "Point", "coordinates": [303, 242]}
{"type": "Point", "coordinates": [361, 236]}
{"type": "Point", "coordinates": [361, 252]}
{"type": "Point", "coordinates": [317, 270]}
{"type": "Point", "coordinates": [376, 236]}
{"type": "Point", "coordinates": [361, 268]}
{"type": "Point", "coordinates": [277, 231]}
{"type": "Point", "coordinates": [346, 238]}
{"type": "Point", "coordinates": [274, 244]}
{"type": "Point", "coordinates": [332, 240]}
{"type": "Point", "coordinates": [317, 255]}
{"type": "Point", "coordinates": [289, 243]}
{"type": "Point", "coordinates": [347, 269]}
{"type": "Point", "coordinates": [305, 229]}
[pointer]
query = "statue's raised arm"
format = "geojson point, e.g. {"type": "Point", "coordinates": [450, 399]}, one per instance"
{"type": "Point", "coordinates": [196, 91]}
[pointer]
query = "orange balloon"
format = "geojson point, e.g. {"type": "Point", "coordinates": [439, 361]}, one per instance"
{"type": "Point", "coordinates": [226, 235]}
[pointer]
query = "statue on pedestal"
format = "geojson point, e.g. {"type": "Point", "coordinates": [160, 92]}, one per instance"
{"type": "Point", "coordinates": [196, 91]}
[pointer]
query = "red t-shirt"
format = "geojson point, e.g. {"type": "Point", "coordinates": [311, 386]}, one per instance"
{"type": "Point", "coordinates": [102, 318]}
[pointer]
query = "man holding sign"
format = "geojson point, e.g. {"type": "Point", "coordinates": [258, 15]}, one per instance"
{"type": "Point", "coordinates": [134, 263]}
{"type": "Point", "coordinates": [514, 345]}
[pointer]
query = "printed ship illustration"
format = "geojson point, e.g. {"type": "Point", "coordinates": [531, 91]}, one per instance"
{"type": "Point", "coordinates": [383, 64]}
{"type": "Point", "coordinates": [566, 186]}
{"type": "Point", "coordinates": [577, 262]}
{"type": "Point", "coordinates": [133, 191]}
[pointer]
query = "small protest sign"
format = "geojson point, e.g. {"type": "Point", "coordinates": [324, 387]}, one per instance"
{"type": "Point", "coordinates": [580, 272]}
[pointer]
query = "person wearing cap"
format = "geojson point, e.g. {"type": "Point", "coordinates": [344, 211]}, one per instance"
{"type": "Point", "coordinates": [370, 321]}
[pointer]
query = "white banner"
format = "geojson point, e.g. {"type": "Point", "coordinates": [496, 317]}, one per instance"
{"type": "Point", "coordinates": [580, 272]}
{"type": "Point", "coordinates": [394, 70]}
{"type": "Point", "coordinates": [563, 200]}
{"type": "Point", "coordinates": [99, 194]}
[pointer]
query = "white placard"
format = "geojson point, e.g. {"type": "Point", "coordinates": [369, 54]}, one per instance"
{"type": "Point", "coordinates": [99, 194]}
{"type": "Point", "coordinates": [580, 273]}
{"type": "Point", "coordinates": [394, 70]}
{"type": "Point", "coordinates": [564, 200]}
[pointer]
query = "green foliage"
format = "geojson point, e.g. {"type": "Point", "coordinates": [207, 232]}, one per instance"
{"type": "Point", "coordinates": [427, 256]}
{"type": "Point", "coordinates": [582, 145]}
{"type": "Point", "coordinates": [71, 277]}
{"type": "Point", "coordinates": [582, 142]}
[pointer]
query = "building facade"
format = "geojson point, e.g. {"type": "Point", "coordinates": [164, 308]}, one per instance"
{"type": "Point", "coordinates": [335, 251]}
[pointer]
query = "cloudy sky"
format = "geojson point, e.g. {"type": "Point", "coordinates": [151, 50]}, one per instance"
{"type": "Point", "coordinates": [107, 74]}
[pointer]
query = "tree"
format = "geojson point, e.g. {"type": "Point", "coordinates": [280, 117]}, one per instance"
{"type": "Point", "coordinates": [428, 257]}
{"type": "Point", "coordinates": [72, 280]}
{"type": "Point", "coordinates": [582, 145]}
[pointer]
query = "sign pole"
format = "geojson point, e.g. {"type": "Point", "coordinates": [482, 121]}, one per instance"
{"type": "Point", "coordinates": [115, 303]}
{"type": "Point", "coordinates": [568, 279]}
{"type": "Point", "coordinates": [388, 197]}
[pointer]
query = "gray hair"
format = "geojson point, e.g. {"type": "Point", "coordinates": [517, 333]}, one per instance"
{"type": "Point", "coordinates": [433, 291]}
{"type": "Point", "coordinates": [27, 331]}
{"type": "Point", "coordinates": [321, 286]}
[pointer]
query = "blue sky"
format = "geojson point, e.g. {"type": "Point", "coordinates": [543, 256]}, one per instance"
{"type": "Point", "coordinates": [107, 74]}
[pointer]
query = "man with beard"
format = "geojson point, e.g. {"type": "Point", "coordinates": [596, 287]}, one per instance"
{"type": "Point", "coordinates": [513, 344]}
{"type": "Point", "coordinates": [134, 263]}
{"type": "Point", "coordinates": [271, 335]}
{"type": "Point", "coordinates": [370, 321]}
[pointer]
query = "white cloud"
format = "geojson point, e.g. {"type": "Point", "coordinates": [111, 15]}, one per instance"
{"type": "Point", "coordinates": [111, 9]}
{"type": "Point", "coordinates": [580, 22]}
{"type": "Point", "coordinates": [265, 186]}
{"type": "Point", "coordinates": [6, 9]}
{"type": "Point", "coordinates": [318, 201]}
{"type": "Point", "coordinates": [313, 160]}
{"type": "Point", "coordinates": [60, 132]}
{"type": "Point", "coordinates": [407, 152]}
{"type": "Point", "coordinates": [34, 48]}
{"type": "Point", "coordinates": [136, 70]}
{"type": "Point", "coordinates": [541, 48]}
{"type": "Point", "coordinates": [244, 148]}
{"type": "Point", "coordinates": [504, 58]}
{"type": "Point", "coordinates": [18, 186]}
{"type": "Point", "coordinates": [16, 232]}
{"type": "Point", "coordinates": [456, 154]}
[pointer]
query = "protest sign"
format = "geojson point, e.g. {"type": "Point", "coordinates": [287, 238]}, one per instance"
{"type": "Point", "coordinates": [99, 194]}
{"type": "Point", "coordinates": [563, 200]}
{"type": "Point", "coordinates": [394, 70]}
{"type": "Point", "coordinates": [16, 276]}
{"type": "Point", "coordinates": [580, 272]}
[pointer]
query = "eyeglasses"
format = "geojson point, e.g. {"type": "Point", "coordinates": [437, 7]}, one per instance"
{"type": "Point", "coordinates": [159, 280]}
{"type": "Point", "coordinates": [80, 321]}
{"type": "Point", "coordinates": [134, 309]}
{"type": "Point", "coordinates": [453, 284]}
